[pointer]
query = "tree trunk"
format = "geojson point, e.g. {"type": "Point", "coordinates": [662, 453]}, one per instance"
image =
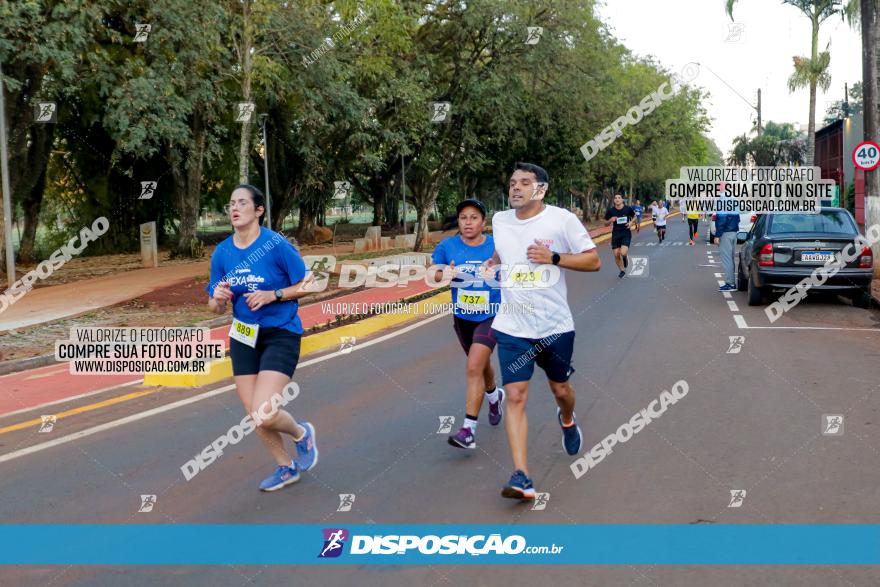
{"type": "Point", "coordinates": [392, 208]}
{"type": "Point", "coordinates": [811, 130]}
{"type": "Point", "coordinates": [29, 145]}
{"type": "Point", "coordinates": [187, 175]}
{"type": "Point", "coordinates": [870, 21]}
{"type": "Point", "coordinates": [31, 189]}
{"type": "Point", "coordinates": [32, 203]}
{"type": "Point", "coordinates": [309, 214]}
{"type": "Point", "coordinates": [378, 189]}
{"type": "Point", "coordinates": [586, 203]}
{"type": "Point", "coordinates": [246, 70]}
{"type": "Point", "coordinates": [422, 235]}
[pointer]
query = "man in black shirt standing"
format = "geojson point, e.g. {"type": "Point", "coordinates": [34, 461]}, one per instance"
{"type": "Point", "coordinates": [620, 218]}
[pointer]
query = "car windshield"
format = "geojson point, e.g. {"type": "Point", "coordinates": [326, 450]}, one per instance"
{"type": "Point", "coordinates": [831, 221]}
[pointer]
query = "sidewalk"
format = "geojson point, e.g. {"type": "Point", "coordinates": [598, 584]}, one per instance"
{"type": "Point", "coordinates": [53, 383]}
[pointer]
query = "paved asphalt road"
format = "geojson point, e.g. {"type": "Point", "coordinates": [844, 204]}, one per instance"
{"type": "Point", "coordinates": [751, 420]}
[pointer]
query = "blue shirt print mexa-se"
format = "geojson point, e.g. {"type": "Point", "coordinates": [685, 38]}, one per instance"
{"type": "Point", "coordinates": [269, 263]}
{"type": "Point", "coordinates": [477, 300]}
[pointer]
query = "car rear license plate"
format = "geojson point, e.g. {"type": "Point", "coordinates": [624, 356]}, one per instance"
{"type": "Point", "coordinates": [816, 256]}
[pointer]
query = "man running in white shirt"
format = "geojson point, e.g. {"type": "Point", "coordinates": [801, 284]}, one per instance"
{"type": "Point", "coordinates": [532, 240]}
{"type": "Point", "coordinates": [660, 222]}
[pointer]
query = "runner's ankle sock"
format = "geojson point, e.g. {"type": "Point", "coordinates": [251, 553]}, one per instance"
{"type": "Point", "coordinates": [471, 422]}
{"type": "Point", "coordinates": [492, 395]}
{"type": "Point", "coordinates": [624, 261]}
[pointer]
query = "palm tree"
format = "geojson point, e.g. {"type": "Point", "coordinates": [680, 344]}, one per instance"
{"type": "Point", "coordinates": [810, 71]}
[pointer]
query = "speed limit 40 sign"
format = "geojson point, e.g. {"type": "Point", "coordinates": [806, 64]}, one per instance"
{"type": "Point", "coordinates": [866, 155]}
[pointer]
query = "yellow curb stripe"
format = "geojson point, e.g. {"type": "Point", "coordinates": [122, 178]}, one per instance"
{"type": "Point", "coordinates": [80, 410]}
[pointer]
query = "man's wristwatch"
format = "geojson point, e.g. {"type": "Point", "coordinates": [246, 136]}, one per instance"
{"type": "Point", "coordinates": [556, 258]}
{"type": "Point", "coordinates": [279, 295]}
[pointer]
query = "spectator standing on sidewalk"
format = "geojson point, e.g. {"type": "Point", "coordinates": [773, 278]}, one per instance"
{"type": "Point", "coordinates": [726, 227]}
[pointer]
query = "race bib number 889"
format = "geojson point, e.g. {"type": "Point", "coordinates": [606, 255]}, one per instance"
{"type": "Point", "coordinates": [244, 333]}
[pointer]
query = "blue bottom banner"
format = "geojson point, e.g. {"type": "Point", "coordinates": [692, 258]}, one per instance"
{"type": "Point", "coordinates": [607, 544]}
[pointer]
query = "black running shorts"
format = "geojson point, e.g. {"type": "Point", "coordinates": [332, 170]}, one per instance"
{"type": "Point", "coordinates": [470, 332]}
{"type": "Point", "coordinates": [277, 350]}
{"type": "Point", "coordinates": [621, 239]}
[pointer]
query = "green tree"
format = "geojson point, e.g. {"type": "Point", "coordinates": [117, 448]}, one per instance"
{"type": "Point", "coordinates": [41, 47]}
{"type": "Point", "coordinates": [167, 98]}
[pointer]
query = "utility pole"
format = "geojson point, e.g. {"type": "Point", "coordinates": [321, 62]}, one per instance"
{"type": "Point", "coordinates": [758, 108]}
{"type": "Point", "coordinates": [7, 194]}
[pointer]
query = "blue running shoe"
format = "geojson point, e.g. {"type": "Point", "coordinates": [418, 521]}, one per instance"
{"type": "Point", "coordinates": [496, 410]}
{"type": "Point", "coordinates": [519, 487]}
{"type": "Point", "coordinates": [727, 287]}
{"type": "Point", "coordinates": [571, 435]}
{"type": "Point", "coordinates": [464, 438]}
{"type": "Point", "coordinates": [282, 477]}
{"type": "Point", "coordinates": [306, 449]}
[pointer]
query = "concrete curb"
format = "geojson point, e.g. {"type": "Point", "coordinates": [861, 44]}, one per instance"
{"type": "Point", "coordinates": [17, 365]}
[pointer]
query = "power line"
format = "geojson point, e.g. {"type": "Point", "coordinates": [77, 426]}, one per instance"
{"type": "Point", "coordinates": [728, 85]}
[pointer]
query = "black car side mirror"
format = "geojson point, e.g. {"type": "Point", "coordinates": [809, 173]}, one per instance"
{"type": "Point", "coordinates": [742, 236]}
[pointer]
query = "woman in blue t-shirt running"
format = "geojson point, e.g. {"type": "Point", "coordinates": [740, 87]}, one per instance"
{"type": "Point", "coordinates": [475, 304]}
{"type": "Point", "coordinates": [261, 273]}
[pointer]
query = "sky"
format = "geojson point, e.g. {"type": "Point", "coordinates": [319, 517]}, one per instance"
{"type": "Point", "coordinates": [677, 32]}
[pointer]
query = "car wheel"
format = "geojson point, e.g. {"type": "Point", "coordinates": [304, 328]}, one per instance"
{"type": "Point", "coordinates": [862, 298]}
{"type": "Point", "coordinates": [742, 284]}
{"type": "Point", "coordinates": [756, 296]}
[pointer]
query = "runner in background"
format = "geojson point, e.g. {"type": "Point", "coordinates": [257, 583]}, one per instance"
{"type": "Point", "coordinates": [620, 216]}
{"type": "Point", "coordinates": [660, 222]}
{"type": "Point", "coordinates": [693, 219]}
{"type": "Point", "coordinates": [638, 209]}
{"type": "Point", "coordinates": [266, 330]}
{"type": "Point", "coordinates": [475, 305]}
